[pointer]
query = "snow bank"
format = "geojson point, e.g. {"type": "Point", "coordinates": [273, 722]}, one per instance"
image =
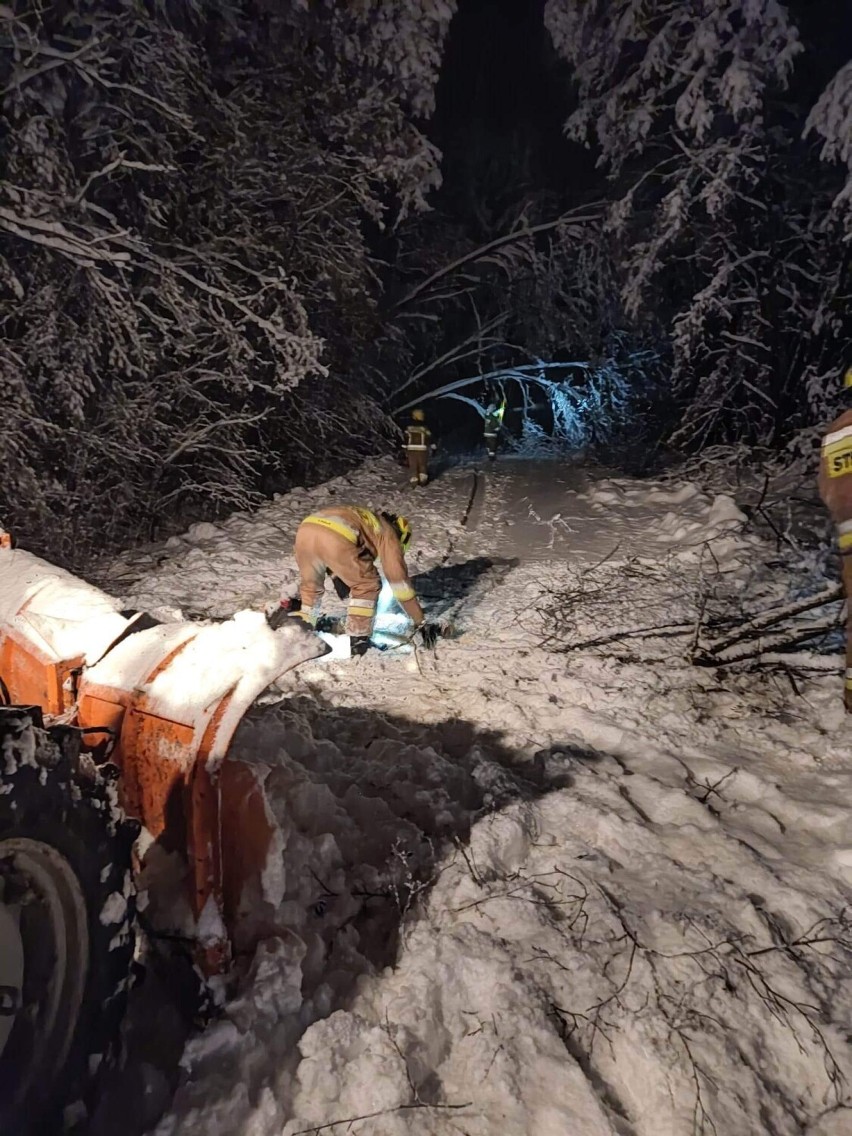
{"type": "Point", "coordinates": [627, 974]}
{"type": "Point", "coordinates": [681, 517]}
{"type": "Point", "coordinates": [57, 612]}
{"type": "Point", "coordinates": [530, 887]}
{"type": "Point", "coordinates": [609, 942]}
{"type": "Point", "coordinates": [206, 662]}
{"type": "Point", "coordinates": [246, 561]}
{"type": "Point", "coordinates": [363, 806]}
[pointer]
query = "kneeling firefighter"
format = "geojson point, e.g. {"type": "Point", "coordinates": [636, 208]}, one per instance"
{"type": "Point", "coordinates": [835, 488]}
{"type": "Point", "coordinates": [345, 542]}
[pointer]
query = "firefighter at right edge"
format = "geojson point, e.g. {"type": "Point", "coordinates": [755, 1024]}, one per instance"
{"type": "Point", "coordinates": [835, 488]}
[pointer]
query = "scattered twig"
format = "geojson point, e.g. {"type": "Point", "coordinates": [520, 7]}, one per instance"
{"type": "Point", "coordinates": [317, 1128]}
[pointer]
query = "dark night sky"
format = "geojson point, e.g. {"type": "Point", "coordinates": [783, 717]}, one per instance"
{"type": "Point", "coordinates": [503, 98]}
{"type": "Point", "coordinates": [501, 103]}
{"type": "Point", "coordinates": [493, 63]}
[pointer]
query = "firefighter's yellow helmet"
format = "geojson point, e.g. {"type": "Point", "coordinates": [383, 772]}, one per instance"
{"type": "Point", "coordinates": [420, 416]}
{"type": "Point", "coordinates": [847, 378]}
{"type": "Point", "coordinates": [403, 527]}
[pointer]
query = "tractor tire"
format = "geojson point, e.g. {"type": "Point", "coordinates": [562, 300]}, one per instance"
{"type": "Point", "coordinates": [67, 911]}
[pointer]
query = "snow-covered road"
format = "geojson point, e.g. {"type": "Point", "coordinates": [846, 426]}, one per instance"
{"type": "Point", "coordinates": [533, 888]}
{"type": "Point", "coordinates": [544, 510]}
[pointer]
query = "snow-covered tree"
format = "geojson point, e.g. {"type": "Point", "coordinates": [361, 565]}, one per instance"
{"type": "Point", "coordinates": [186, 274]}
{"type": "Point", "coordinates": [831, 118]}
{"type": "Point", "coordinates": [720, 212]}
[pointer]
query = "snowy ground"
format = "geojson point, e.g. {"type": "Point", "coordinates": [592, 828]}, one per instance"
{"type": "Point", "coordinates": [535, 888]}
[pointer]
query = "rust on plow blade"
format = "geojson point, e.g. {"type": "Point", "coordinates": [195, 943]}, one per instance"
{"type": "Point", "coordinates": [171, 697]}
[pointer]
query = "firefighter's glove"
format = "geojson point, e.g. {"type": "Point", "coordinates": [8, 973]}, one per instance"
{"type": "Point", "coordinates": [330, 624]}
{"type": "Point", "coordinates": [287, 607]}
{"type": "Point", "coordinates": [359, 645]}
{"type": "Point", "coordinates": [430, 633]}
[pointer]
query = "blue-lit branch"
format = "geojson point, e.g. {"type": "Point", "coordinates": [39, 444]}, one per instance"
{"type": "Point", "coordinates": [530, 372]}
{"type": "Point", "coordinates": [477, 406]}
{"type": "Point", "coordinates": [588, 402]}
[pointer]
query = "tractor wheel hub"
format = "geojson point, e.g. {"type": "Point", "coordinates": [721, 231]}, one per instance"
{"type": "Point", "coordinates": [44, 962]}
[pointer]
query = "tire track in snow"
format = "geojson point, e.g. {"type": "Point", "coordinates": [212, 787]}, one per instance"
{"type": "Point", "coordinates": [472, 498]}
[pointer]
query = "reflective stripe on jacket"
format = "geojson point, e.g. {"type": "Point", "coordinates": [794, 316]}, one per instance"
{"type": "Point", "coordinates": [336, 524]}
{"type": "Point", "coordinates": [417, 437]}
{"type": "Point", "coordinates": [835, 470]}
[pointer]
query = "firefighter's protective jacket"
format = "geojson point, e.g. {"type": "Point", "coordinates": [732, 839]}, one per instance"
{"type": "Point", "coordinates": [372, 539]}
{"type": "Point", "coordinates": [835, 488]}
{"type": "Point", "coordinates": [493, 421]}
{"type": "Point", "coordinates": [835, 475]}
{"type": "Point", "coordinates": [417, 437]}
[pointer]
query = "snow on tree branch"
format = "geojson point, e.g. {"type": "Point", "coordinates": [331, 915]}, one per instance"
{"type": "Point", "coordinates": [695, 64]}
{"type": "Point", "coordinates": [831, 118]}
{"type": "Point", "coordinates": [719, 220]}
{"type": "Point", "coordinates": [401, 41]}
{"type": "Point", "coordinates": [184, 200]}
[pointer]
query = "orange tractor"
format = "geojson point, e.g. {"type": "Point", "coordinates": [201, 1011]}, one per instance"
{"type": "Point", "coordinates": [107, 714]}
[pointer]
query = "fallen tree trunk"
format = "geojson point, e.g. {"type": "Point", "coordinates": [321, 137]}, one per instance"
{"type": "Point", "coordinates": [748, 630]}
{"type": "Point", "coordinates": [734, 642]}
{"type": "Point", "coordinates": [764, 619]}
{"type": "Point", "coordinates": [754, 647]}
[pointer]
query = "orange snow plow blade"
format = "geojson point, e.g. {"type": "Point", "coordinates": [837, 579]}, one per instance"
{"type": "Point", "coordinates": [170, 696]}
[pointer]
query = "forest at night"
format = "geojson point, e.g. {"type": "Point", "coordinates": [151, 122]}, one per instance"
{"type": "Point", "coordinates": [236, 237]}
{"type": "Point", "coordinates": [425, 567]}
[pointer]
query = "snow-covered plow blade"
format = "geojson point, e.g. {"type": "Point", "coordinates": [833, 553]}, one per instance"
{"type": "Point", "coordinates": [162, 701]}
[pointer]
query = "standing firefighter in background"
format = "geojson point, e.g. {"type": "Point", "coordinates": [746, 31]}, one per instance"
{"type": "Point", "coordinates": [492, 426]}
{"type": "Point", "coordinates": [835, 488]}
{"type": "Point", "coordinates": [345, 542]}
{"type": "Point", "coordinates": [418, 443]}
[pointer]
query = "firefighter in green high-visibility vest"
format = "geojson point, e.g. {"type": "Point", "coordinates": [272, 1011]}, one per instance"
{"type": "Point", "coordinates": [492, 426]}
